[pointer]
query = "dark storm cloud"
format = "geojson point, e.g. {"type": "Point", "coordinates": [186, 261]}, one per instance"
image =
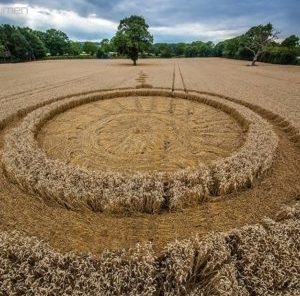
{"type": "Point", "coordinates": [169, 20]}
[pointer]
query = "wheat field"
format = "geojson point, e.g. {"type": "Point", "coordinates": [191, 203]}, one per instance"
{"type": "Point", "coordinates": [177, 177]}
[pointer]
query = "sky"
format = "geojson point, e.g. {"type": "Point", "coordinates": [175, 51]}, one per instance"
{"type": "Point", "coordinates": [169, 20]}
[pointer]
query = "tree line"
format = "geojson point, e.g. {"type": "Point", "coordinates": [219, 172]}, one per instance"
{"type": "Point", "coordinates": [133, 40]}
{"type": "Point", "coordinates": [25, 44]}
{"type": "Point", "coordinates": [260, 43]}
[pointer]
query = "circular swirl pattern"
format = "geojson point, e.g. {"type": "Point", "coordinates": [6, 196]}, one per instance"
{"type": "Point", "coordinates": [147, 133]}
{"type": "Point", "coordinates": [28, 165]}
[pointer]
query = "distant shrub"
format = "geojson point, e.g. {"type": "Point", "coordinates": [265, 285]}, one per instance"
{"type": "Point", "coordinates": [101, 54]}
{"type": "Point", "coordinates": [280, 55]}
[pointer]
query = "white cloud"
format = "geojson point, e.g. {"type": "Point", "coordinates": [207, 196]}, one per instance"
{"type": "Point", "coordinates": [93, 26]}
{"type": "Point", "coordinates": [195, 30]}
{"type": "Point", "coordinates": [44, 18]}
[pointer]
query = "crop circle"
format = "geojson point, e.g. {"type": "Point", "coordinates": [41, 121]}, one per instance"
{"type": "Point", "coordinates": [26, 163]}
{"type": "Point", "coordinates": [143, 133]}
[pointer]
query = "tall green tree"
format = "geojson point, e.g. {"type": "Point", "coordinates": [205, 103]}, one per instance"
{"type": "Point", "coordinates": [75, 48]}
{"type": "Point", "coordinates": [42, 35]}
{"type": "Point", "coordinates": [199, 49]}
{"type": "Point", "coordinates": [231, 47]}
{"type": "Point", "coordinates": [219, 48]}
{"type": "Point", "coordinates": [106, 45]}
{"type": "Point", "coordinates": [37, 47]}
{"type": "Point", "coordinates": [191, 50]}
{"type": "Point", "coordinates": [291, 41]}
{"type": "Point", "coordinates": [6, 32]}
{"type": "Point", "coordinates": [132, 37]}
{"type": "Point", "coordinates": [2, 50]}
{"type": "Point", "coordinates": [258, 38]}
{"type": "Point", "coordinates": [179, 49]}
{"type": "Point", "coordinates": [89, 47]}
{"type": "Point", "coordinates": [165, 50]}
{"type": "Point", "coordinates": [155, 49]}
{"type": "Point", "coordinates": [2, 46]}
{"type": "Point", "coordinates": [20, 46]}
{"type": "Point", "coordinates": [104, 49]}
{"type": "Point", "coordinates": [57, 42]}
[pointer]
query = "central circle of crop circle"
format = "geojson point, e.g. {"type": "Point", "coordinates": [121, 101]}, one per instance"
{"type": "Point", "coordinates": [141, 133]}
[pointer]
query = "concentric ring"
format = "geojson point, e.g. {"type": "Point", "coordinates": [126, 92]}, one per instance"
{"type": "Point", "coordinates": [28, 165]}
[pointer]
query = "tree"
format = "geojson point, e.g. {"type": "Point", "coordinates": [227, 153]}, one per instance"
{"type": "Point", "coordinates": [2, 42]}
{"type": "Point", "coordinates": [278, 54]}
{"type": "Point", "coordinates": [132, 37]}
{"type": "Point", "coordinates": [42, 35]}
{"type": "Point", "coordinates": [231, 47]}
{"type": "Point", "coordinates": [21, 43]}
{"type": "Point", "coordinates": [89, 47]}
{"type": "Point", "coordinates": [106, 46]}
{"type": "Point", "coordinates": [165, 50]}
{"type": "Point", "coordinates": [258, 38]}
{"type": "Point", "coordinates": [155, 49]}
{"type": "Point", "coordinates": [191, 51]}
{"type": "Point", "coordinates": [219, 48]}
{"type": "Point", "coordinates": [105, 49]}
{"type": "Point", "coordinates": [75, 48]}
{"type": "Point", "coordinates": [209, 48]}
{"type": "Point", "coordinates": [203, 49]}
{"type": "Point", "coordinates": [101, 54]}
{"type": "Point", "coordinates": [37, 47]}
{"type": "Point", "coordinates": [20, 46]}
{"type": "Point", "coordinates": [57, 42]}
{"type": "Point", "coordinates": [291, 42]}
{"type": "Point", "coordinates": [2, 50]}
{"type": "Point", "coordinates": [179, 49]}
{"type": "Point", "coordinates": [6, 32]}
